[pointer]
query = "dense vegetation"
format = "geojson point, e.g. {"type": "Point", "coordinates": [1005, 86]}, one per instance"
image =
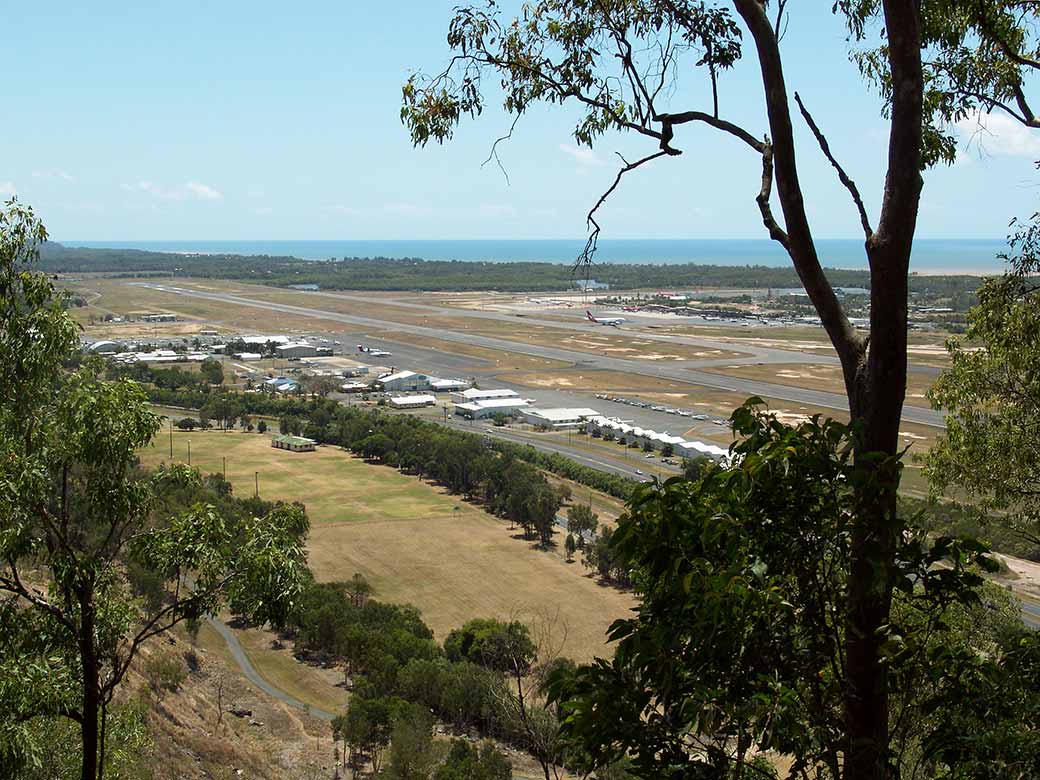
{"type": "Point", "coordinates": [81, 528]}
{"type": "Point", "coordinates": [382, 273]}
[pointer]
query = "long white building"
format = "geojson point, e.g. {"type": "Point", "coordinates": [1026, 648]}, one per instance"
{"type": "Point", "coordinates": [643, 436]}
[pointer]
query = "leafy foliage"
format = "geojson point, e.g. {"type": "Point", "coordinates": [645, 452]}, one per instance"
{"type": "Point", "coordinates": [738, 644]}
{"type": "Point", "coordinates": [79, 524]}
{"type": "Point", "coordinates": [992, 393]}
{"type": "Point", "coordinates": [504, 647]}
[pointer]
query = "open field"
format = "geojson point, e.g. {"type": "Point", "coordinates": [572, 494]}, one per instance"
{"type": "Point", "coordinates": [415, 543]}
{"type": "Point", "coordinates": [493, 360]}
{"type": "Point", "coordinates": [120, 297]}
{"type": "Point", "coordinates": [822, 377]}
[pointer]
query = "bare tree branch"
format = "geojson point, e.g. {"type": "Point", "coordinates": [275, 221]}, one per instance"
{"type": "Point", "coordinates": [669, 120]}
{"type": "Point", "coordinates": [585, 258]}
{"type": "Point", "coordinates": [800, 246]}
{"type": "Point", "coordinates": [775, 231]}
{"type": "Point", "coordinates": [493, 154]}
{"type": "Point", "coordinates": [850, 185]}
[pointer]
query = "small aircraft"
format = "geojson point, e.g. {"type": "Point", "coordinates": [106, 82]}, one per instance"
{"type": "Point", "coordinates": [614, 322]}
{"type": "Point", "coordinates": [374, 352]}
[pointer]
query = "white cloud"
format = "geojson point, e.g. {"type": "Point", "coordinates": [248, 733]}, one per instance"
{"type": "Point", "coordinates": [191, 189]}
{"type": "Point", "coordinates": [55, 175]}
{"type": "Point", "coordinates": [582, 155]}
{"type": "Point", "coordinates": [7, 188]}
{"type": "Point", "coordinates": [203, 191]}
{"type": "Point", "coordinates": [999, 134]}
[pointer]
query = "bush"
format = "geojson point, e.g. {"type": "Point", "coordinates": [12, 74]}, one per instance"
{"type": "Point", "coordinates": [187, 423]}
{"type": "Point", "coordinates": [164, 674]}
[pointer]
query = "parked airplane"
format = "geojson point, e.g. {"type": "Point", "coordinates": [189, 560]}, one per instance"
{"type": "Point", "coordinates": [374, 352]}
{"type": "Point", "coordinates": [614, 322]}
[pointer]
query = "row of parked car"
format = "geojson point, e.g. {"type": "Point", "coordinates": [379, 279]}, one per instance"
{"type": "Point", "coordinates": [665, 409]}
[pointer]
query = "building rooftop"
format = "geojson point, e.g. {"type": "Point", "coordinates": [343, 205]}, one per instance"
{"type": "Point", "coordinates": [492, 403]}
{"type": "Point", "coordinates": [414, 399]}
{"type": "Point", "coordinates": [398, 375]}
{"type": "Point", "coordinates": [298, 440]}
{"type": "Point", "coordinates": [562, 414]}
{"type": "Point", "coordinates": [473, 394]}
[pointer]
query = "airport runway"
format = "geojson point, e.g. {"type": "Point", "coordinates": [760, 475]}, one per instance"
{"type": "Point", "coordinates": [756, 354]}
{"type": "Point", "coordinates": [746, 387]}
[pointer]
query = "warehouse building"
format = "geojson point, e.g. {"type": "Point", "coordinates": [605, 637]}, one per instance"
{"type": "Point", "coordinates": [282, 384]}
{"type": "Point", "coordinates": [412, 401]}
{"type": "Point", "coordinates": [265, 339]}
{"type": "Point", "coordinates": [159, 317]}
{"type": "Point", "coordinates": [481, 410]}
{"type": "Point", "coordinates": [404, 381]}
{"type": "Point", "coordinates": [448, 385]}
{"type": "Point", "coordinates": [557, 418]}
{"type": "Point", "coordinates": [105, 347]}
{"type": "Point", "coordinates": [247, 356]}
{"type": "Point", "coordinates": [293, 443]}
{"type": "Point", "coordinates": [473, 394]}
{"type": "Point", "coordinates": [296, 349]}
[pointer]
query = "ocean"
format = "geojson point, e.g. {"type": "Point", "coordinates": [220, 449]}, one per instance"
{"type": "Point", "coordinates": [929, 255]}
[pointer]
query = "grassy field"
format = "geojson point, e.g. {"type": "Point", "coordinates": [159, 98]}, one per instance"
{"type": "Point", "coordinates": [821, 377]}
{"type": "Point", "coordinates": [415, 543]}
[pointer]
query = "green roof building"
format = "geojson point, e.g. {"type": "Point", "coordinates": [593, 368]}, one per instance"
{"type": "Point", "coordinates": [293, 443]}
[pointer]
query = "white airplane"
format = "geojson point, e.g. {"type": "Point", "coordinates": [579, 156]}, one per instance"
{"type": "Point", "coordinates": [374, 352]}
{"type": "Point", "coordinates": [614, 322]}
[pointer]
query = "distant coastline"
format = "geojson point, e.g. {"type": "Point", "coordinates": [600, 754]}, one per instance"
{"type": "Point", "coordinates": [930, 256]}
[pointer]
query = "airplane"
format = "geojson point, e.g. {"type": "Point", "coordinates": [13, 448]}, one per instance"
{"type": "Point", "coordinates": [614, 322]}
{"type": "Point", "coordinates": [374, 352]}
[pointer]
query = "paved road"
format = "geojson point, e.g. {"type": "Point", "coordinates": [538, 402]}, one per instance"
{"type": "Point", "coordinates": [746, 387]}
{"type": "Point", "coordinates": [251, 674]}
{"type": "Point", "coordinates": [1031, 614]}
{"type": "Point", "coordinates": [601, 463]}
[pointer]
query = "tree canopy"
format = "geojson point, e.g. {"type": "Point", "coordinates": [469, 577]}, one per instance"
{"type": "Point", "coordinates": [77, 518]}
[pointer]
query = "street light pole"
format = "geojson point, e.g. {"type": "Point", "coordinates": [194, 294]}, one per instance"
{"type": "Point", "coordinates": [189, 452]}
{"type": "Point", "coordinates": [171, 439]}
{"type": "Point", "coordinates": [256, 478]}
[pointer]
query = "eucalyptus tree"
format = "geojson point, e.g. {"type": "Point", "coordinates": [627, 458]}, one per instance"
{"type": "Point", "coordinates": [618, 63]}
{"type": "Point", "coordinates": [77, 514]}
{"type": "Point", "coordinates": [990, 452]}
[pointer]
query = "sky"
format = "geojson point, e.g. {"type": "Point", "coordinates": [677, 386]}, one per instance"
{"type": "Point", "coordinates": [234, 120]}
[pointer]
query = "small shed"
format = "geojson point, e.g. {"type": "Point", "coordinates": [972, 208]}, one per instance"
{"type": "Point", "coordinates": [293, 443]}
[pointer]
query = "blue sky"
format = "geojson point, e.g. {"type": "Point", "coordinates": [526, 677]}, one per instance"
{"type": "Point", "coordinates": [234, 120]}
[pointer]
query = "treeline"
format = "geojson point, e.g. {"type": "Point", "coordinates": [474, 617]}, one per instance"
{"type": "Point", "coordinates": [488, 677]}
{"type": "Point", "coordinates": [407, 274]}
{"type": "Point", "coordinates": [964, 520]}
{"type": "Point", "coordinates": [467, 464]}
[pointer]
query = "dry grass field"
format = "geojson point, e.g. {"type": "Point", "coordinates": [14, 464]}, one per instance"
{"type": "Point", "coordinates": [821, 377]}
{"type": "Point", "coordinates": [415, 543]}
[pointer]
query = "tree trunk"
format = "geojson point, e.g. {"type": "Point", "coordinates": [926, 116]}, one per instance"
{"type": "Point", "coordinates": [875, 377]}
{"type": "Point", "coordinates": [878, 405]}
{"type": "Point", "coordinates": [89, 732]}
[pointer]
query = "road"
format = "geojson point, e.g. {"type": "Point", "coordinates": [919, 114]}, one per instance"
{"type": "Point", "coordinates": [251, 674]}
{"type": "Point", "coordinates": [601, 463]}
{"type": "Point", "coordinates": [1031, 614]}
{"type": "Point", "coordinates": [745, 387]}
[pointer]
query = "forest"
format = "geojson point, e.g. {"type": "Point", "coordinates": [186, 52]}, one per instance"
{"type": "Point", "coordinates": [406, 274]}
